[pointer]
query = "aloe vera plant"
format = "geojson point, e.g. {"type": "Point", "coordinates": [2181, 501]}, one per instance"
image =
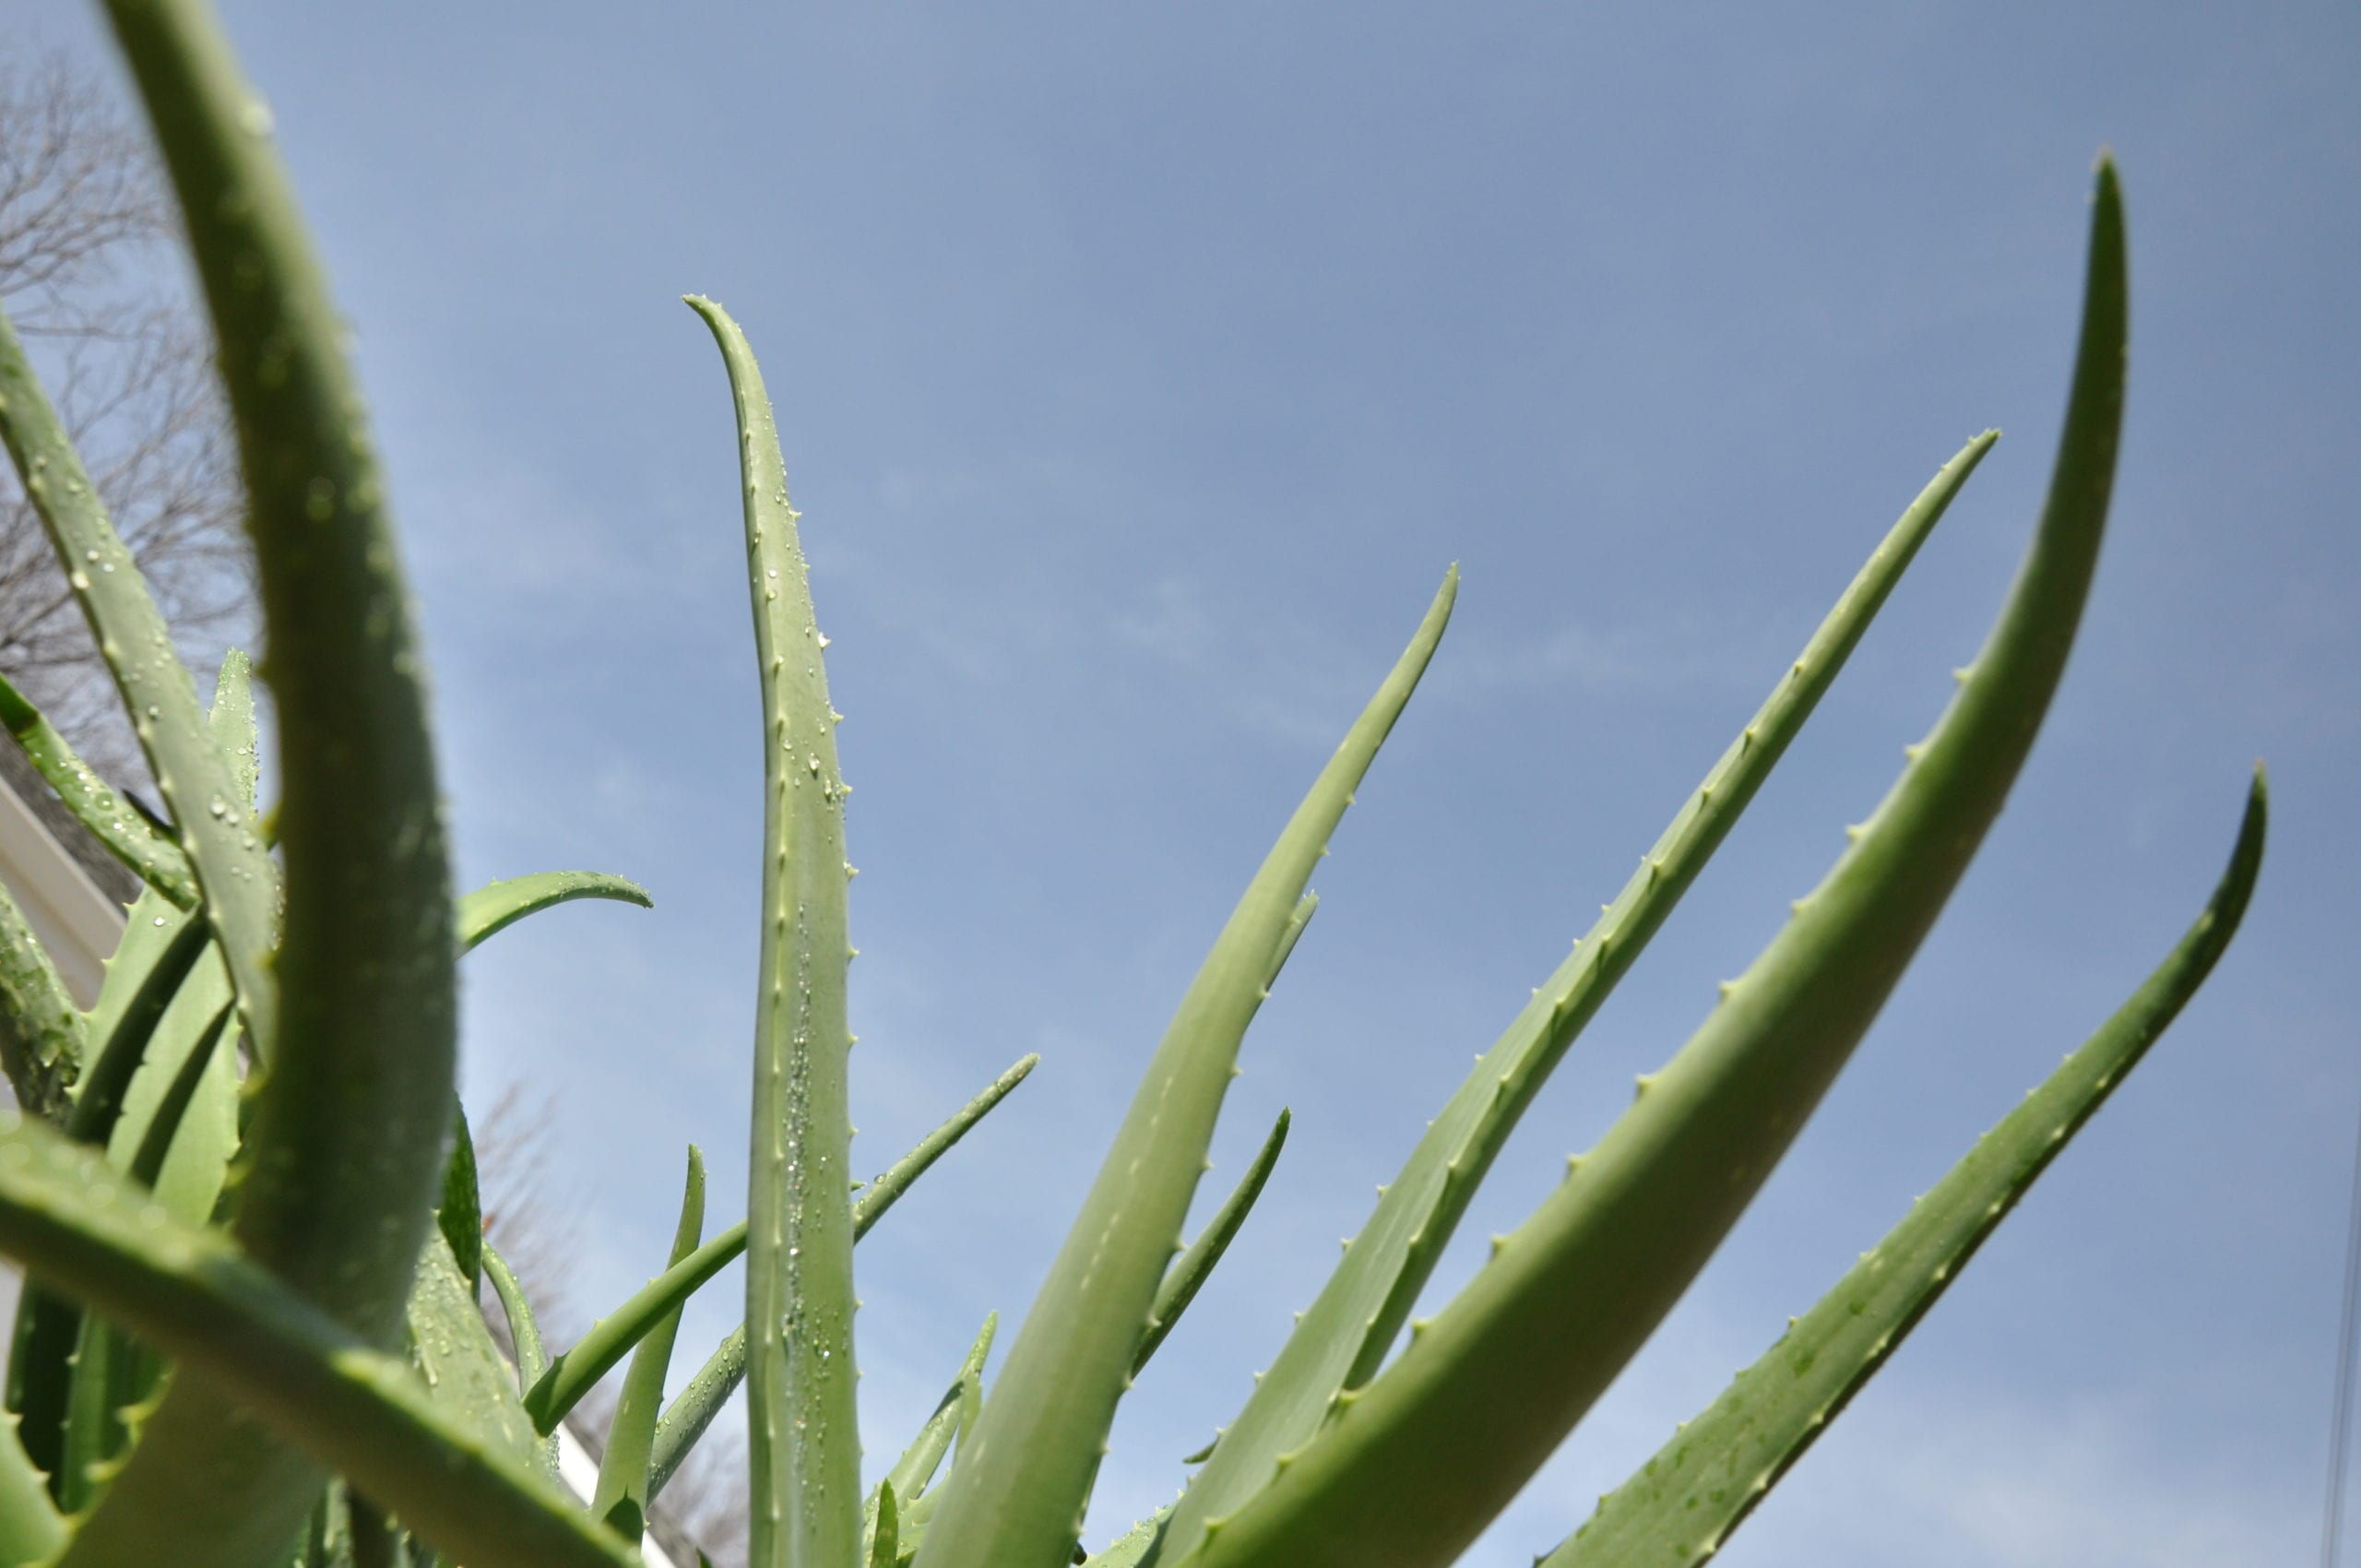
{"type": "Point", "coordinates": [244, 1191]}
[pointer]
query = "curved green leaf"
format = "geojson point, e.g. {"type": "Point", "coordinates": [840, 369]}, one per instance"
{"type": "Point", "coordinates": [692, 1411]}
{"type": "Point", "coordinates": [73, 1221]}
{"type": "Point", "coordinates": [1408, 1468]}
{"type": "Point", "coordinates": [1684, 1504]}
{"type": "Point", "coordinates": [96, 805]}
{"type": "Point", "coordinates": [352, 1111]}
{"type": "Point", "coordinates": [42, 1039]}
{"type": "Point", "coordinates": [155, 1013]}
{"type": "Point", "coordinates": [573, 1374]}
{"type": "Point", "coordinates": [887, 1187]}
{"type": "Point", "coordinates": [1017, 1495]}
{"type": "Point", "coordinates": [622, 1492]}
{"type": "Point", "coordinates": [218, 842]}
{"type": "Point", "coordinates": [465, 1376]}
{"type": "Point", "coordinates": [803, 1440]}
{"type": "Point", "coordinates": [496, 906]}
{"type": "Point", "coordinates": [1340, 1341]}
{"type": "Point", "coordinates": [1189, 1271]}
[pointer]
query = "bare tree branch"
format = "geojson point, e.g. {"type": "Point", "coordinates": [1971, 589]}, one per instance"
{"type": "Point", "coordinates": [88, 276]}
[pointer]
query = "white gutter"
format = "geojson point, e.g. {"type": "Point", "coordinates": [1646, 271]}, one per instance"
{"type": "Point", "coordinates": [76, 923]}
{"type": "Point", "coordinates": [80, 926]}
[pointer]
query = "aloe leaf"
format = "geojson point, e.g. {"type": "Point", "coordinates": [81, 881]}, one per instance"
{"type": "Point", "coordinates": [1408, 1468]}
{"type": "Point", "coordinates": [459, 1216]}
{"type": "Point", "coordinates": [523, 1333]}
{"type": "Point", "coordinates": [53, 1336]}
{"type": "Point", "coordinates": [112, 1372]}
{"type": "Point", "coordinates": [914, 1471]}
{"type": "Point", "coordinates": [496, 906]}
{"type": "Point", "coordinates": [150, 969]}
{"type": "Point", "coordinates": [1017, 1494]}
{"type": "Point", "coordinates": [622, 1495]}
{"type": "Point", "coordinates": [96, 806]}
{"type": "Point", "coordinates": [887, 1187]}
{"type": "Point", "coordinates": [352, 1111]}
{"type": "Point", "coordinates": [218, 841]}
{"type": "Point", "coordinates": [31, 1530]}
{"type": "Point", "coordinates": [465, 1376]}
{"type": "Point", "coordinates": [803, 1446]}
{"type": "Point", "coordinates": [524, 1329]}
{"type": "Point", "coordinates": [573, 1374]}
{"type": "Point", "coordinates": [73, 1221]}
{"type": "Point", "coordinates": [92, 1432]}
{"type": "Point", "coordinates": [190, 1181]}
{"type": "Point", "coordinates": [42, 1039]}
{"type": "Point", "coordinates": [1131, 1548]}
{"type": "Point", "coordinates": [1305, 908]}
{"type": "Point", "coordinates": [1345, 1335]}
{"type": "Point", "coordinates": [156, 1143]}
{"type": "Point", "coordinates": [1682, 1504]}
{"type": "Point", "coordinates": [692, 1410]}
{"type": "Point", "coordinates": [1189, 1272]}
{"type": "Point", "coordinates": [885, 1547]}
{"type": "Point", "coordinates": [99, 1097]}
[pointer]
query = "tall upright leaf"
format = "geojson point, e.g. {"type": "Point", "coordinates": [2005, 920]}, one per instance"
{"type": "Point", "coordinates": [1358, 1313]}
{"type": "Point", "coordinates": [234, 873]}
{"type": "Point", "coordinates": [1681, 1507]}
{"type": "Point", "coordinates": [622, 1492]}
{"type": "Point", "coordinates": [1410, 1467]}
{"type": "Point", "coordinates": [72, 1219]}
{"type": "Point", "coordinates": [352, 1116]}
{"type": "Point", "coordinates": [803, 1443]}
{"type": "Point", "coordinates": [1015, 1498]}
{"type": "Point", "coordinates": [97, 805]}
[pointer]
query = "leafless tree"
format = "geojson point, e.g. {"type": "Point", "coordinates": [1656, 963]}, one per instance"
{"type": "Point", "coordinates": [89, 275]}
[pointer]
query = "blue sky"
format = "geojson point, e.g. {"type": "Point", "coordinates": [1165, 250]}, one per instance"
{"type": "Point", "coordinates": [1140, 371]}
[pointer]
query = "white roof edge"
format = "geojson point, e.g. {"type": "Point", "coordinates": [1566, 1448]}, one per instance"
{"type": "Point", "coordinates": [76, 923]}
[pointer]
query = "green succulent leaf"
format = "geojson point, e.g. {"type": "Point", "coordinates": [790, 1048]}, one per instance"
{"type": "Point", "coordinates": [1408, 1468]}
{"type": "Point", "coordinates": [96, 805]}
{"type": "Point", "coordinates": [692, 1411]}
{"type": "Point", "coordinates": [524, 1329]}
{"type": "Point", "coordinates": [596, 1353]}
{"type": "Point", "coordinates": [1189, 1271]}
{"type": "Point", "coordinates": [218, 846]}
{"type": "Point", "coordinates": [887, 1187]}
{"type": "Point", "coordinates": [352, 1110]}
{"type": "Point", "coordinates": [31, 1529]}
{"type": "Point", "coordinates": [163, 988]}
{"type": "Point", "coordinates": [622, 1494]}
{"type": "Point", "coordinates": [1017, 1495]}
{"type": "Point", "coordinates": [42, 1039]}
{"type": "Point", "coordinates": [886, 1532]}
{"type": "Point", "coordinates": [1345, 1335]}
{"type": "Point", "coordinates": [459, 1216]}
{"type": "Point", "coordinates": [1132, 1546]}
{"type": "Point", "coordinates": [1682, 1504]}
{"type": "Point", "coordinates": [914, 1471]}
{"type": "Point", "coordinates": [803, 1439]}
{"type": "Point", "coordinates": [73, 1221]}
{"type": "Point", "coordinates": [197, 1069]}
{"type": "Point", "coordinates": [465, 1374]}
{"type": "Point", "coordinates": [496, 906]}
